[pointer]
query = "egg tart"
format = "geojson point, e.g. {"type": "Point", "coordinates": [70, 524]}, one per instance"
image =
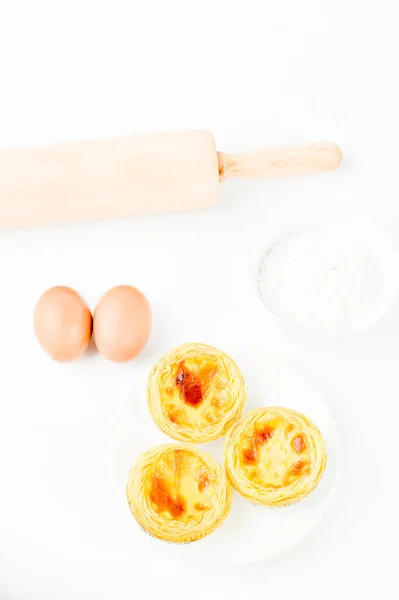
{"type": "Point", "coordinates": [178, 493]}
{"type": "Point", "coordinates": [275, 456]}
{"type": "Point", "coordinates": [195, 393]}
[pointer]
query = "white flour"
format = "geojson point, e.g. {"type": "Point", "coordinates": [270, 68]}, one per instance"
{"type": "Point", "coordinates": [332, 281]}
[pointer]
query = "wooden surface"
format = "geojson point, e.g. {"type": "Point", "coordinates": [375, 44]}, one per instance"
{"type": "Point", "coordinates": [107, 178]}
{"type": "Point", "coordinates": [135, 175]}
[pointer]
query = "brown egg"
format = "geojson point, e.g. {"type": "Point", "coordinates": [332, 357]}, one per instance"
{"type": "Point", "coordinates": [122, 323]}
{"type": "Point", "coordinates": [63, 323]}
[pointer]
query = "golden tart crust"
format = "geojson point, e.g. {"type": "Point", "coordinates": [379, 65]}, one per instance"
{"type": "Point", "coordinates": [275, 456]}
{"type": "Point", "coordinates": [195, 393]}
{"type": "Point", "coordinates": [178, 493]}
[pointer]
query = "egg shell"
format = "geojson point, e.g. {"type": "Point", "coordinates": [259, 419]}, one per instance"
{"type": "Point", "coordinates": [63, 323]}
{"type": "Point", "coordinates": [122, 323]}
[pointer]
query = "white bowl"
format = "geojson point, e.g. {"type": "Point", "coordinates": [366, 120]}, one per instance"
{"type": "Point", "coordinates": [330, 281]}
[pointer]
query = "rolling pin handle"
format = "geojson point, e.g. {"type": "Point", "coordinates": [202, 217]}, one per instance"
{"type": "Point", "coordinates": [280, 162]}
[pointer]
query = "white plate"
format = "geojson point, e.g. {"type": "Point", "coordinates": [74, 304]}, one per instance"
{"type": "Point", "coordinates": [250, 533]}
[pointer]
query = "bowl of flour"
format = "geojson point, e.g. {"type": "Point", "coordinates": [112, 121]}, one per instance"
{"type": "Point", "coordinates": [330, 281]}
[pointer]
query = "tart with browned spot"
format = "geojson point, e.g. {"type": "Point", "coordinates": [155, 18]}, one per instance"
{"type": "Point", "coordinates": [275, 456]}
{"type": "Point", "coordinates": [178, 493]}
{"type": "Point", "coordinates": [195, 393]}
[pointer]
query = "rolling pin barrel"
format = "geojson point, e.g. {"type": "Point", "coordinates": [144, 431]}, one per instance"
{"type": "Point", "coordinates": [107, 178]}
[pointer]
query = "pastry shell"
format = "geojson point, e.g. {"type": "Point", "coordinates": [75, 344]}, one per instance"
{"type": "Point", "coordinates": [178, 493]}
{"type": "Point", "coordinates": [275, 456]}
{"type": "Point", "coordinates": [195, 393]}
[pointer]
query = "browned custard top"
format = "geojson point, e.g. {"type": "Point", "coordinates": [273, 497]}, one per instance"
{"type": "Point", "coordinates": [274, 453]}
{"type": "Point", "coordinates": [179, 485]}
{"type": "Point", "coordinates": [195, 392]}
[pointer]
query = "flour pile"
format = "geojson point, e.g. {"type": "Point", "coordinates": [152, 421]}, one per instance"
{"type": "Point", "coordinates": [330, 282]}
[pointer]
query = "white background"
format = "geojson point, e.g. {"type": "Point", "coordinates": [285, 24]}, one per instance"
{"type": "Point", "coordinates": [255, 73]}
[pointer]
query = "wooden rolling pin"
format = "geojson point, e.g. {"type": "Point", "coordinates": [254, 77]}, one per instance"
{"type": "Point", "coordinates": [136, 175]}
